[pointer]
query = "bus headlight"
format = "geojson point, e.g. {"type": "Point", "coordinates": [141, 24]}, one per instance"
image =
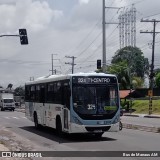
{"type": "Point", "coordinates": [116, 120]}
{"type": "Point", "coordinates": [77, 121]}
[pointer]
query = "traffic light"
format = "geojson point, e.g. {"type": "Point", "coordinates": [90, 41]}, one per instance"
{"type": "Point", "coordinates": [98, 64]}
{"type": "Point", "coordinates": [23, 36]}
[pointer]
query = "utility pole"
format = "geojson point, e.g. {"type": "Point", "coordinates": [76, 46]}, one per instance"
{"type": "Point", "coordinates": [104, 33]}
{"type": "Point", "coordinates": [104, 37]}
{"type": "Point", "coordinates": [151, 76]}
{"type": "Point", "coordinates": [31, 78]}
{"type": "Point", "coordinates": [127, 27]}
{"type": "Point", "coordinates": [53, 71]}
{"type": "Point", "coordinates": [52, 64]}
{"type": "Point", "coordinates": [73, 64]}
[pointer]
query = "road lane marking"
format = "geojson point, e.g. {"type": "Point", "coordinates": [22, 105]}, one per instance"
{"type": "Point", "coordinates": [24, 117]}
{"type": "Point", "coordinates": [15, 117]}
{"type": "Point", "coordinates": [7, 117]}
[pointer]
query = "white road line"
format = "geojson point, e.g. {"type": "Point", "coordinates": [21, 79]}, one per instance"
{"type": "Point", "coordinates": [24, 117]}
{"type": "Point", "coordinates": [15, 117]}
{"type": "Point", "coordinates": [7, 117]}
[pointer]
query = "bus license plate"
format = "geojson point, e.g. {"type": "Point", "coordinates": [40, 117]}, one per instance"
{"type": "Point", "coordinates": [97, 131]}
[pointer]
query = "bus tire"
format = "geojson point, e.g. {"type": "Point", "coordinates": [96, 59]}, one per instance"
{"type": "Point", "coordinates": [2, 109]}
{"type": "Point", "coordinates": [58, 126]}
{"type": "Point", "coordinates": [36, 124]}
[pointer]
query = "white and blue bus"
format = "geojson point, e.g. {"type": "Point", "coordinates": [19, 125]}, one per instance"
{"type": "Point", "coordinates": [74, 103]}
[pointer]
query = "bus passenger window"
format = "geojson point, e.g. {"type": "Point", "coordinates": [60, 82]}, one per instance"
{"type": "Point", "coordinates": [67, 94]}
{"type": "Point", "coordinates": [42, 94]}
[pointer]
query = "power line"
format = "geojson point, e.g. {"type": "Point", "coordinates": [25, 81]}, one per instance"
{"type": "Point", "coordinates": [86, 37]}
{"type": "Point", "coordinates": [90, 44]}
{"type": "Point", "coordinates": [89, 34]}
{"type": "Point", "coordinates": [152, 15]}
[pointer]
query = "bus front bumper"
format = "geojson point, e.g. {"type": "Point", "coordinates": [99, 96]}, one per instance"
{"type": "Point", "coordinates": [75, 128]}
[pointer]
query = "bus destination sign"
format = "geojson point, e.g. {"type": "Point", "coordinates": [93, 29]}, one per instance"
{"type": "Point", "coordinates": [94, 80]}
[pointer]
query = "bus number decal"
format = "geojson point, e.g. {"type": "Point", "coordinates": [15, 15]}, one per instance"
{"type": "Point", "coordinates": [110, 108]}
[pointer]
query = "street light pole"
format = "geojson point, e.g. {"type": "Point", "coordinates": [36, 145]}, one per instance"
{"type": "Point", "coordinates": [104, 37]}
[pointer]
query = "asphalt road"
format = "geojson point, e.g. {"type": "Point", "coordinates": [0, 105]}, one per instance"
{"type": "Point", "coordinates": [47, 140]}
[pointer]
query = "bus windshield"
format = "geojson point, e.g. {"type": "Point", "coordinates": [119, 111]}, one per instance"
{"type": "Point", "coordinates": [95, 99]}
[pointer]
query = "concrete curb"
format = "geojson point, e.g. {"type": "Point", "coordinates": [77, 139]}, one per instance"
{"type": "Point", "coordinates": [141, 115]}
{"type": "Point", "coordinates": [141, 128]}
{"type": "Point", "coordinates": [148, 116]}
{"type": "Point", "coordinates": [131, 115]}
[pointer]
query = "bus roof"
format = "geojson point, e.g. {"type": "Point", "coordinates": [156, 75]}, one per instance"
{"type": "Point", "coordinates": [63, 77]}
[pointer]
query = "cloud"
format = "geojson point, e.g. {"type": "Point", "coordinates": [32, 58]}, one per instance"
{"type": "Point", "coordinates": [35, 15]}
{"type": "Point", "coordinates": [84, 1]}
{"type": "Point", "coordinates": [64, 28]}
{"type": "Point", "coordinates": [38, 15]}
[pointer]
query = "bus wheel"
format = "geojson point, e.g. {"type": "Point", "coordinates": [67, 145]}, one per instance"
{"type": "Point", "coordinates": [98, 135]}
{"type": "Point", "coordinates": [2, 109]}
{"type": "Point", "coordinates": [36, 121]}
{"type": "Point", "coordinates": [58, 126]}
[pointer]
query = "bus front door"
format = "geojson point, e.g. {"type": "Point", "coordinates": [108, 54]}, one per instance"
{"type": "Point", "coordinates": [65, 113]}
{"type": "Point", "coordinates": [66, 109]}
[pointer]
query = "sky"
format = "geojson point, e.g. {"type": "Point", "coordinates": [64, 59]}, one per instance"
{"type": "Point", "coordinates": [66, 28]}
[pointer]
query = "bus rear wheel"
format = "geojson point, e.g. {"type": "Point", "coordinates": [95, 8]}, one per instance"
{"type": "Point", "coordinates": [36, 124]}
{"type": "Point", "coordinates": [59, 127]}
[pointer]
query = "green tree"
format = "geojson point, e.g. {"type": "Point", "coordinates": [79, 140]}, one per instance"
{"type": "Point", "coordinates": [137, 82]}
{"type": "Point", "coordinates": [157, 79]}
{"type": "Point", "coordinates": [139, 65]}
{"type": "Point", "coordinates": [19, 91]}
{"type": "Point", "coordinates": [121, 71]}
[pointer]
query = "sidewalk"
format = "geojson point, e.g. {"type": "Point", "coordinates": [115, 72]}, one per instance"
{"type": "Point", "coordinates": [144, 122]}
{"type": "Point", "coordinates": [3, 148]}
